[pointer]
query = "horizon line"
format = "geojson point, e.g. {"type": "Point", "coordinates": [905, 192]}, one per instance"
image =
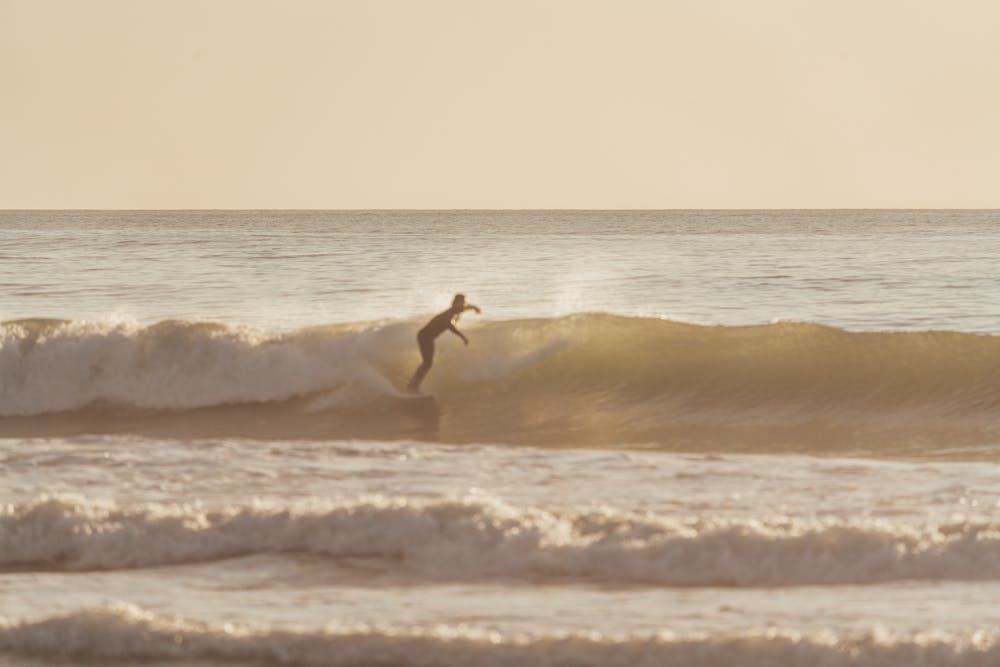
{"type": "Point", "coordinates": [496, 210]}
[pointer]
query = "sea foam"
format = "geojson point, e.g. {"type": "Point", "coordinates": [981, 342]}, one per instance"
{"type": "Point", "coordinates": [127, 632]}
{"type": "Point", "coordinates": [483, 539]}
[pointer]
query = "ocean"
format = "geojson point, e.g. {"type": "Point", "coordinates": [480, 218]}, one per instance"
{"type": "Point", "coordinates": [690, 438]}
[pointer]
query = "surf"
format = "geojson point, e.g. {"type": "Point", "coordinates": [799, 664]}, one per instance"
{"type": "Point", "coordinates": [122, 631]}
{"type": "Point", "coordinates": [468, 538]}
{"type": "Point", "coordinates": [589, 379]}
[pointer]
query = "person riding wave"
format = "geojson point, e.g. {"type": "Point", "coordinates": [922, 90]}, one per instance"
{"type": "Point", "coordinates": [438, 325]}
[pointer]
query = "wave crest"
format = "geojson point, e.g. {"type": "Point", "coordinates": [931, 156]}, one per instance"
{"type": "Point", "coordinates": [124, 631]}
{"type": "Point", "coordinates": [587, 379]}
{"type": "Point", "coordinates": [483, 539]}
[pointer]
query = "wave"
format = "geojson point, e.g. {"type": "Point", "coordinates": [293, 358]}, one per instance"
{"type": "Point", "coordinates": [582, 380]}
{"type": "Point", "coordinates": [483, 539]}
{"type": "Point", "coordinates": [127, 632]}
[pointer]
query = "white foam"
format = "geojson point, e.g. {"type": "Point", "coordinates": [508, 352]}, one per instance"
{"type": "Point", "coordinates": [124, 631]}
{"type": "Point", "coordinates": [479, 538]}
{"type": "Point", "coordinates": [181, 365]}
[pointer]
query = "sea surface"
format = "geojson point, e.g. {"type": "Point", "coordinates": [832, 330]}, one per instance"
{"type": "Point", "coordinates": [690, 438]}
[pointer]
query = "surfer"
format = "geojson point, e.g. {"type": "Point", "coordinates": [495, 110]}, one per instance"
{"type": "Point", "coordinates": [437, 326]}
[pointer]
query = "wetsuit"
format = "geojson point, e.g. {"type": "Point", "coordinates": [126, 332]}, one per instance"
{"type": "Point", "coordinates": [425, 339]}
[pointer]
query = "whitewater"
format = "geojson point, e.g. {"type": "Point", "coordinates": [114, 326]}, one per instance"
{"type": "Point", "coordinates": [580, 380]}
{"type": "Point", "coordinates": [675, 438]}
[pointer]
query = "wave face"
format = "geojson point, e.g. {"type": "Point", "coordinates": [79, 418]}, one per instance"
{"type": "Point", "coordinates": [127, 632]}
{"type": "Point", "coordinates": [587, 379]}
{"type": "Point", "coordinates": [477, 540]}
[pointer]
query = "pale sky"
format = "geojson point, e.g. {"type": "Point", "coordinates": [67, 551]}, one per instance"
{"type": "Point", "coordinates": [499, 104]}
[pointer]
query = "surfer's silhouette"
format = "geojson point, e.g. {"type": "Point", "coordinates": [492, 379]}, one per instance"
{"type": "Point", "coordinates": [438, 325]}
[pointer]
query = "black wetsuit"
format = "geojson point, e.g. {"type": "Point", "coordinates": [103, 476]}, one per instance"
{"type": "Point", "coordinates": [425, 339]}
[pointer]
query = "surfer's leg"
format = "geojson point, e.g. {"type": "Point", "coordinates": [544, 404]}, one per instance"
{"type": "Point", "coordinates": [427, 356]}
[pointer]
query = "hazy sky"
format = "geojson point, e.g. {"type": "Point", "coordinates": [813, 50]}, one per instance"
{"type": "Point", "coordinates": [500, 104]}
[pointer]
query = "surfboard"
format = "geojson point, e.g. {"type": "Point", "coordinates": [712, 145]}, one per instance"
{"type": "Point", "coordinates": [422, 407]}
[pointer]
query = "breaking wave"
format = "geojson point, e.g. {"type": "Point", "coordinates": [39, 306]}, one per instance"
{"type": "Point", "coordinates": [587, 379]}
{"type": "Point", "coordinates": [127, 632]}
{"type": "Point", "coordinates": [479, 539]}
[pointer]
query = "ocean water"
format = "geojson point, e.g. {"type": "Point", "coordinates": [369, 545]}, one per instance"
{"type": "Point", "coordinates": [675, 438]}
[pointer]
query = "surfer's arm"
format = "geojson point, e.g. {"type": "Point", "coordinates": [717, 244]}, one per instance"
{"type": "Point", "coordinates": [451, 328]}
{"type": "Point", "coordinates": [475, 308]}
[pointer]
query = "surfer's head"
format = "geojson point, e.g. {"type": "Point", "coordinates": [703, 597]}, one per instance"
{"type": "Point", "coordinates": [458, 302]}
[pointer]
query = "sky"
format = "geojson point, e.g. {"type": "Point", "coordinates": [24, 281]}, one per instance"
{"type": "Point", "coordinates": [629, 104]}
